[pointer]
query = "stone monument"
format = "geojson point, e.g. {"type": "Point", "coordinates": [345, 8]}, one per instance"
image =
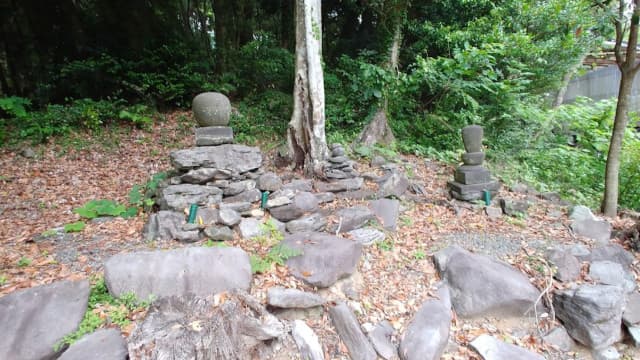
{"type": "Point", "coordinates": [472, 179]}
{"type": "Point", "coordinates": [212, 111]}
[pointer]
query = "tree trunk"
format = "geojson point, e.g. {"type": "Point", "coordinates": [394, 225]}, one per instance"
{"type": "Point", "coordinates": [306, 138]}
{"type": "Point", "coordinates": [628, 69]}
{"type": "Point", "coordinates": [559, 99]}
{"type": "Point", "coordinates": [611, 186]}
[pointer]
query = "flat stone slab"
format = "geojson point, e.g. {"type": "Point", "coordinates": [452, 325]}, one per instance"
{"type": "Point", "coordinates": [180, 197]}
{"type": "Point", "coordinates": [352, 218]}
{"type": "Point", "coordinates": [481, 286]}
{"type": "Point", "coordinates": [292, 298]}
{"type": "Point", "coordinates": [340, 185]}
{"type": "Point", "coordinates": [233, 157]}
{"type": "Point", "coordinates": [366, 236]}
{"type": "Point", "coordinates": [491, 348]}
{"type": "Point", "coordinates": [472, 192]}
{"type": "Point", "coordinates": [592, 314]}
{"type": "Point", "coordinates": [103, 344]}
{"type": "Point", "coordinates": [214, 135]}
{"type": "Point", "coordinates": [380, 338]}
{"type": "Point", "coordinates": [203, 175]}
{"type": "Point", "coordinates": [325, 258]}
{"type": "Point", "coordinates": [309, 223]}
{"type": "Point", "coordinates": [351, 334]}
{"type": "Point", "coordinates": [307, 341]}
{"type": "Point", "coordinates": [195, 270]}
{"type": "Point", "coordinates": [34, 320]}
{"type": "Point", "coordinates": [428, 332]}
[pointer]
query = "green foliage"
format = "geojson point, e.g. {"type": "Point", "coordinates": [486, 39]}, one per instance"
{"type": "Point", "coordinates": [276, 255]}
{"type": "Point", "coordinates": [211, 243]}
{"type": "Point", "coordinates": [3, 279]}
{"type": "Point", "coordinates": [143, 196]}
{"type": "Point", "coordinates": [262, 116]}
{"type": "Point", "coordinates": [95, 208]}
{"type": "Point", "coordinates": [419, 254]}
{"type": "Point", "coordinates": [113, 310]}
{"type": "Point", "coordinates": [24, 261]}
{"type": "Point", "coordinates": [59, 120]}
{"type": "Point", "coordinates": [139, 115]}
{"type": "Point", "coordinates": [74, 227]}
{"type": "Point", "coordinates": [262, 65]}
{"type": "Point", "coordinates": [14, 106]}
{"type": "Point", "coordinates": [544, 159]}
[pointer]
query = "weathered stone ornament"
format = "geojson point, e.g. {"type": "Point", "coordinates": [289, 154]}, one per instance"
{"type": "Point", "coordinates": [211, 109]}
{"type": "Point", "coordinates": [472, 179]}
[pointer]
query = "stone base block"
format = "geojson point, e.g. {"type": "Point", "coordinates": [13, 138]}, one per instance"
{"type": "Point", "coordinates": [472, 192]}
{"type": "Point", "coordinates": [474, 158]}
{"type": "Point", "coordinates": [214, 135]}
{"type": "Point", "coordinates": [469, 175]}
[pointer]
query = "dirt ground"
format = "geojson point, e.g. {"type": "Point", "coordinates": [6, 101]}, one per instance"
{"type": "Point", "coordinates": [39, 194]}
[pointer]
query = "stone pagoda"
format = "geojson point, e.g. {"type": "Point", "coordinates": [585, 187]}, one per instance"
{"type": "Point", "coordinates": [472, 179]}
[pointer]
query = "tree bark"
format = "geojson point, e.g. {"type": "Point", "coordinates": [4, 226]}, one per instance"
{"type": "Point", "coordinates": [306, 137]}
{"type": "Point", "coordinates": [628, 69]}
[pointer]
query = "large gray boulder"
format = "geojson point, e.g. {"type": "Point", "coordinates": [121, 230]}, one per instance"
{"type": "Point", "coordinates": [588, 225]}
{"type": "Point", "coordinates": [491, 348]}
{"type": "Point", "coordinates": [611, 273]}
{"type": "Point", "coordinates": [592, 314]}
{"type": "Point", "coordinates": [387, 211]}
{"type": "Point", "coordinates": [612, 252]}
{"type": "Point", "coordinates": [325, 258]}
{"type": "Point", "coordinates": [180, 197]}
{"type": "Point", "coordinates": [232, 157]}
{"type": "Point", "coordinates": [103, 344]}
{"type": "Point", "coordinates": [481, 286]}
{"type": "Point", "coordinates": [211, 109]}
{"type": "Point", "coordinates": [195, 270]}
{"type": "Point", "coordinates": [396, 185]}
{"type": "Point", "coordinates": [300, 204]}
{"type": "Point", "coordinates": [33, 321]}
{"type": "Point", "coordinates": [567, 266]}
{"type": "Point", "coordinates": [428, 332]}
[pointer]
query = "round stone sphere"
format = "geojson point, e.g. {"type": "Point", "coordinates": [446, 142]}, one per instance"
{"type": "Point", "coordinates": [211, 109]}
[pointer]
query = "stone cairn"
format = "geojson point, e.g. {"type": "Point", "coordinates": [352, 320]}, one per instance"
{"type": "Point", "coordinates": [340, 166]}
{"type": "Point", "coordinates": [229, 189]}
{"type": "Point", "coordinates": [472, 179]}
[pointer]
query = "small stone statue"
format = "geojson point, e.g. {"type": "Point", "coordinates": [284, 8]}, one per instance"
{"type": "Point", "coordinates": [472, 179]}
{"type": "Point", "coordinates": [212, 111]}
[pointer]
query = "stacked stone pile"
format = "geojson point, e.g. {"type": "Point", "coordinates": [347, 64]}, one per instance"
{"type": "Point", "coordinates": [472, 179]}
{"type": "Point", "coordinates": [340, 166]}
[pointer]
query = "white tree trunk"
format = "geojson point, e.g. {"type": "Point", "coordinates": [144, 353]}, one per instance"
{"type": "Point", "coordinates": [306, 136]}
